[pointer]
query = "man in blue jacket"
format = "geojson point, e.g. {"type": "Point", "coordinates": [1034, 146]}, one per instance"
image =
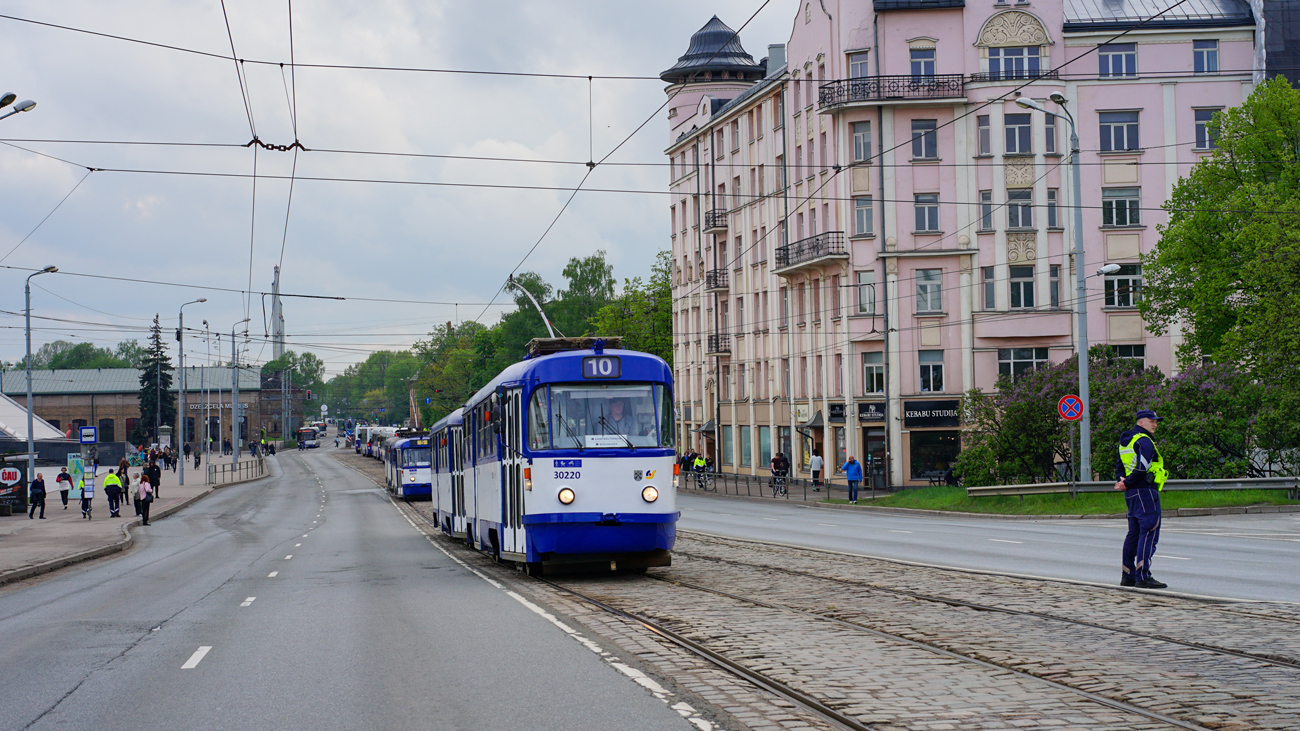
{"type": "Point", "coordinates": [1140, 473]}
{"type": "Point", "coordinates": [852, 470]}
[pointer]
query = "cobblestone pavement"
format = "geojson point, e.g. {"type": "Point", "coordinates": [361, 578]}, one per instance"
{"type": "Point", "coordinates": [900, 680]}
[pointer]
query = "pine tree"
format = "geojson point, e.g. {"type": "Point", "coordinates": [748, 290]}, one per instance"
{"type": "Point", "coordinates": [155, 382]}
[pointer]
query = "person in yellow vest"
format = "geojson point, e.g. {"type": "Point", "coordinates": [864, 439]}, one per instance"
{"type": "Point", "coordinates": [1140, 473]}
{"type": "Point", "coordinates": [113, 491]}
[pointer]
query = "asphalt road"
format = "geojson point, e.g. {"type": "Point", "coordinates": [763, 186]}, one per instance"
{"type": "Point", "coordinates": [321, 607]}
{"type": "Point", "coordinates": [1238, 556]}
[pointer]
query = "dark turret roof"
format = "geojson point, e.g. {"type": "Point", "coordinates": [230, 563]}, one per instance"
{"type": "Point", "coordinates": [714, 49]}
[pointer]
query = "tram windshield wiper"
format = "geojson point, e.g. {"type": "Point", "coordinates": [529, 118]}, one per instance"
{"type": "Point", "coordinates": [573, 434]}
{"type": "Point", "coordinates": [610, 427]}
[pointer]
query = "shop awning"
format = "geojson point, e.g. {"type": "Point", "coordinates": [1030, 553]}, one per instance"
{"type": "Point", "coordinates": [708, 427]}
{"type": "Point", "coordinates": [814, 423]}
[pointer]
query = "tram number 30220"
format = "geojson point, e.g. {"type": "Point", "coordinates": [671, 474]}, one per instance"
{"type": "Point", "coordinates": [568, 475]}
{"type": "Point", "coordinates": [602, 366]}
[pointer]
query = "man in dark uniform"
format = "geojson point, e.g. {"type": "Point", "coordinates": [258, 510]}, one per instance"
{"type": "Point", "coordinates": [1140, 473]}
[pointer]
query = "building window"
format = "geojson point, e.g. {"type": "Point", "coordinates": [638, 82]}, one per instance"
{"type": "Point", "coordinates": [1020, 208]}
{"type": "Point", "coordinates": [990, 287]}
{"type": "Point", "coordinates": [873, 373]}
{"type": "Point", "coordinates": [746, 448]}
{"type": "Point", "coordinates": [927, 212]}
{"type": "Point", "coordinates": [1049, 146]}
{"type": "Point", "coordinates": [931, 370]}
{"type": "Point", "coordinates": [986, 210]}
{"type": "Point", "coordinates": [1119, 131]}
{"type": "Point", "coordinates": [727, 446]}
{"type": "Point", "coordinates": [735, 137]}
{"type": "Point", "coordinates": [816, 291]}
{"type": "Point", "coordinates": [861, 141]}
{"type": "Point", "coordinates": [106, 430]}
{"type": "Point", "coordinates": [1015, 362]}
{"type": "Point", "coordinates": [764, 445]}
{"type": "Point", "coordinates": [985, 135]}
{"type": "Point", "coordinates": [923, 62]}
{"type": "Point", "coordinates": [1019, 134]}
{"type": "Point", "coordinates": [1053, 212]}
{"type": "Point", "coordinates": [1135, 353]}
{"type": "Point", "coordinates": [785, 306]}
{"type": "Point", "coordinates": [929, 290]}
{"type": "Point", "coordinates": [1117, 59]}
{"type": "Point", "coordinates": [836, 299]}
{"type": "Point", "coordinates": [1022, 288]}
{"type": "Point", "coordinates": [1014, 63]}
{"type": "Point", "coordinates": [1120, 206]}
{"type": "Point", "coordinates": [1204, 139]}
{"type": "Point", "coordinates": [858, 68]}
{"type": "Point", "coordinates": [867, 292]}
{"type": "Point", "coordinates": [1055, 290]}
{"type": "Point", "coordinates": [1124, 288]}
{"type": "Point", "coordinates": [925, 141]}
{"type": "Point", "coordinates": [862, 216]}
{"type": "Point", "coordinates": [933, 452]}
{"type": "Point", "coordinates": [1205, 57]}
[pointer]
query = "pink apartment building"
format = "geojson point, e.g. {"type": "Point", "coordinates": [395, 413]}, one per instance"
{"type": "Point", "coordinates": [865, 225]}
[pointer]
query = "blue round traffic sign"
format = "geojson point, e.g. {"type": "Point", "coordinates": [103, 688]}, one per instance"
{"type": "Point", "coordinates": [1070, 407]}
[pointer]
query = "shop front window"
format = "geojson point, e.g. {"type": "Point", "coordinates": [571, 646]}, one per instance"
{"type": "Point", "coordinates": [933, 452]}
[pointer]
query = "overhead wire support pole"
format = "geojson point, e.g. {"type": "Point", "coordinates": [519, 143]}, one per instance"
{"type": "Point", "coordinates": [529, 295]}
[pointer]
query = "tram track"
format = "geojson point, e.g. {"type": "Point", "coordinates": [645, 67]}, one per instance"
{"type": "Point", "coordinates": [1278, 660]}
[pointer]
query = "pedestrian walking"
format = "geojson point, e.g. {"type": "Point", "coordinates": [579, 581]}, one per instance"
{"type": "Point", "coordinates": [36, 494]}
{"type": "Point", "coordinates": [1140, 473]}
{"type": "Point", "coordinates": [852, 470]}
{"type": "Point", "coordinates": [196, 459]}
{"type": "Point", "coordinates": [88, 493]}
{"type": "Point", "coordinates": [815, 464]}
{"type": "Point", "coordinates": [113, 491]}
{"type": "Point", "coordinates": [64, 481]}
{"type": "Point", "coordinates": [187, 451]}
{"type": "Point", "coordinates": [144, 496]}
{"type": "Point", "coordinates": [155, 478]}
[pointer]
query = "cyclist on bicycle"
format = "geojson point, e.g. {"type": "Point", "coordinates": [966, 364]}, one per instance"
{"type": "Point", "coordinates": [780, 467]}
{"type": "Point", "coordinates": [699, 466]}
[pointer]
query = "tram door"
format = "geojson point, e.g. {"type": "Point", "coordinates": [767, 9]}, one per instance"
{"type": "Point", "coordinates": [457, 481]}
{"type": "Point", "coordinates": [512, 473]}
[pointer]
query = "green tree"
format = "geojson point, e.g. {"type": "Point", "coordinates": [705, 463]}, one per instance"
{"type": "Point", "coordinates": [155, 384]}
{"type": "Point", "coordinates": [132, 353]}
{"type": "Point", "coordinates": [590, 286]}
{"type": "Point", "coordinates": [86, 355]}
{"type": "Point", "coordinates": [1227, 267]}
{"type": "Point", "coordinates": [643, 313]}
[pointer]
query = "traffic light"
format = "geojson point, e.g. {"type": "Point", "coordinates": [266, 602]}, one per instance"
{"type": "Point", "coordinates": [309, 394]}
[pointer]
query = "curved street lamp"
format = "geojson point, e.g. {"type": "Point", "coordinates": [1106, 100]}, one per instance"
{"type": "Point", "coordinates": [31, 442]}
{"type": "Point", "coordinates": [180, 392]}
{"type": "Point", "coordinates": [23, 106]}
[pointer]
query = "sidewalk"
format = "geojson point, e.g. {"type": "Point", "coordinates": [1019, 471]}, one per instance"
{"type": "Point", "coordinates": [31, 546]}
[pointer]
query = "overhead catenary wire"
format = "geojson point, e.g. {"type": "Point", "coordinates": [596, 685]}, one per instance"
{"type": "Point", "coordinates": [57, 206]}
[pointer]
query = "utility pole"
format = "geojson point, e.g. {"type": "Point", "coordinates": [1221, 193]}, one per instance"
{"type": "Point", "coordinates": [277, 318]}
{"type": "Point", "coordinates": [234, 391]}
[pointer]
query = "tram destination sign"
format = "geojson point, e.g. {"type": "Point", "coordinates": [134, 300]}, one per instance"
{"type": "Point", "coordinates": [928, 414]}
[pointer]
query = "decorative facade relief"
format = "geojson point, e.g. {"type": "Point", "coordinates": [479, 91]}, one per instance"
{"type": "Point", "coordinates": [1013, 28]}
{"type": "Point", "coordinates": [1020, 173]}
{"type": "Point", "coordinates": [1021, 247]}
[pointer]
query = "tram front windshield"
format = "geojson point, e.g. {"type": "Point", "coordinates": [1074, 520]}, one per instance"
{"type": "Point", "coordinates": [606, 416]}
{"type": "Point", "coordinates": [417, 457]}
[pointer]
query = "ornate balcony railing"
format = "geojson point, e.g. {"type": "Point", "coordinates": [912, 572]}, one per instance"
{"type": "Point", "coordinates": [715, 279]}
{"type": "Point", "coordinates": [1014, 75]}
{"type": "Point", "coordinates": [715, 218]}
{"type": "Point", "coordinates": [719, 344]}
{"type": "Point", "coordinates": [882, 88]}
{"type": "Point", "coordinates": [829, 243]}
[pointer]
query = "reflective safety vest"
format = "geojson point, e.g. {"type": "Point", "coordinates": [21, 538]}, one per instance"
{"type": "Point", "coordinates": [700, 463]}
{"type": "Point", "coordinates": [1128, 456]}
{"type": "Point", "coordinates": [111, 479]}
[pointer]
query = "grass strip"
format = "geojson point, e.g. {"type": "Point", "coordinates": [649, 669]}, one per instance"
{"type": "Point", "coordinates": [955, 498]}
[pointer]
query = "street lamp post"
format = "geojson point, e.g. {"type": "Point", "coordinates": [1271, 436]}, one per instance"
{"type": "Point", "coordinates": [234, 391]}
{"type": "Point", "coordinates": [180, 398]}
{"type": "Point", "coordinates": [8, 98]}
{"type": "Point", "coordinates": [203, 386]}
{"type": "Point", "coordinates": [31, 442]}
{"type": "Point", "coordinates": [1080, 280]}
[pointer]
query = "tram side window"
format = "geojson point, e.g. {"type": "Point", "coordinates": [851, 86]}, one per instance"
{"type": "Point", "coordinates": [539, 435]}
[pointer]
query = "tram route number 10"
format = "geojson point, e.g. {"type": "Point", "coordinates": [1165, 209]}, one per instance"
{"type": "Point", "coordinates": [602, 366]}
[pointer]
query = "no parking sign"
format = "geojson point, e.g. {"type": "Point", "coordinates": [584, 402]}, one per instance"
{"type": "Point", "coordinates": [1070, 407]}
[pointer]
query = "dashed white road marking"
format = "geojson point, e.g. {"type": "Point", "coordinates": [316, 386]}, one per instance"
{"type": "Point", "coordinates": [194, 660]}
{"type": "Point", "coordinates": [272, 574]}
{"type": "Point", "coordinates": [900, 531]}
{"type": "Point", "coordinates": [286, 558]}
{"type": "Point", "coordinates": [296, 545]}
{"type": "Point", "coordinates": [248, 601]}
{"type": "Point", "coordinates": [1176, 558]}
{"type": "Point", "coordinates": [999, 540]}
{"type": "Point", "coordinates": [829, 525]}
{"type": "Point", "coordinates": [304, 535]}
{"type": "Point", "coordinates": [771, 519]}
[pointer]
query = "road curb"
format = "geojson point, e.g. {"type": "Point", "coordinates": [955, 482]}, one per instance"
{"type": "Point", "coordinates": [45, 567]}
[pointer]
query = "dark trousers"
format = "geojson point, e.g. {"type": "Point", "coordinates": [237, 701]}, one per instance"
{"type": "Point", "coordinates": [144, 510]}
{"type": "Point", "coordinates": [64, 494]}
{"type": "Point", "coordinates": [137, 506]}
{"type": "Point", "coordinates": [817, 479]}
{"type": "Point", "coordinates": [37, 501]}
{"type": "Point", "coordinates": [114, 504]}
{"type": "Point", "coordinates": [1143, 531]}
{"type": "Point", "coordinates": [85, 506]}
{"type": "Point", "coordinates": [853, 489]}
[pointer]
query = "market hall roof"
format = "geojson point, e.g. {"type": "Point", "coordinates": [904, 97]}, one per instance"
{"type": "Point", "coordinates": [119, 380]}
{"type": "Point", "coordinates": [715, 50]}
{"type": "Point", "coordinates": [1086, 15]}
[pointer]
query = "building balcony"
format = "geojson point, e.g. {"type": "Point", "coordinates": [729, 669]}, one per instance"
{"type": "Point", "coordinates": [879, 89]}
{"type": "Point", "coordinates": [811, 251]}
{"type": "Point", "coordinates": [715, 280]}
{"type": "Point", "coordinates": [715, 221]}
{"type": "Point", "coordinates": [1014, 75]}
{"type": "Point", "coordinates": [719, 345]}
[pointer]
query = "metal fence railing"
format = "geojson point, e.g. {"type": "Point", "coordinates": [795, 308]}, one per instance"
{"type": "Point", "coordinates": [727, 483]}
{"type": "Point", "coordinates": [1290, 484]}
{"type": "Point", "coordinates": [248, 469]}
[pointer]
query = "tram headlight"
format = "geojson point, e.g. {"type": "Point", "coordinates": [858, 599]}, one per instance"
{"type": "Point", "coordinates": [650, 493]}
{"type": "Point", "coordinates": [567, 496]}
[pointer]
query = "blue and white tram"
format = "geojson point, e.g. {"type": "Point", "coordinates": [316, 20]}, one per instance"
{"type": "Point", "coordinates": [408, 467]}
{"type": "Point", "coordinates": [448, 439]}
{"type": "Point", "coordinates": [569, 461]}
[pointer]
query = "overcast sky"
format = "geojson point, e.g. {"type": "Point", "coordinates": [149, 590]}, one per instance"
{"type": "Point", "coordinates": [348, 239]}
